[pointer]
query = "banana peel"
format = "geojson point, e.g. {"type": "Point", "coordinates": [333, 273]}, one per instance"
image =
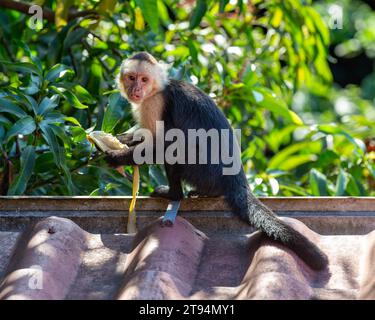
{"type": "Point", "coordinates": [132, 218]}
{"type": "Point", "coordinates": [105, 142]}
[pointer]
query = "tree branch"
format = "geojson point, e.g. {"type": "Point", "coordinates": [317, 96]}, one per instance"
{"type": "Point", "coordinates": [24, 8]}
{"type": "Point", "coordinates": [48, 14]}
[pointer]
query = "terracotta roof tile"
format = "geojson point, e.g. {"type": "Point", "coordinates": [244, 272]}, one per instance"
{"type": "Point", "coordinates": [57, 259]}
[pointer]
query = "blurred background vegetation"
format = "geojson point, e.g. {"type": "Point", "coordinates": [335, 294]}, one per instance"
{"type": "Point", "coordinates": [295, 77]}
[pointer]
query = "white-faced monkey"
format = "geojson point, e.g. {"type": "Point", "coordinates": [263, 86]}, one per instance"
{"type": "Point", "coordinates": [154, 97]}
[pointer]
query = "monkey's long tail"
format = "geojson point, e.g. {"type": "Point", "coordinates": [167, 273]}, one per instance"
{"type": "Point", "coordinates": [257, 214]}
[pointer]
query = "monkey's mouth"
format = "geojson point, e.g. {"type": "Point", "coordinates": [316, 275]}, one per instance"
{"type": "Point", "coordinates": [135, 97]}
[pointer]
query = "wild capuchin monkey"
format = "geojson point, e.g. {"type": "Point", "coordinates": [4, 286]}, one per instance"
{"type": "Point", "coordinates": [154, 97]}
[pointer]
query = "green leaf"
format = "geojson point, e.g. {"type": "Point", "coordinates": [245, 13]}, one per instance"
{"type": "Point", "coordinates": [78, 134]}
{"type": "Point", "coordinates": [106, 6]}
{"type": "Point", "coordinates": [19, 185]}
{"type": "Point", "coordinates": [371, 168]}
{"type": "Point", "coordinates": [23, 126]}
{"type": "Point", "coordinates": [53, 117]}
{"type": "Point", "coordinates": [318, 183]}
{"type": "Point", "coordinates": [282, 157]}
{"type": "Point", "coordinates": [36, 61]}
{"type": "Point", "coordinates": [82, 94]}
{"type": "Point", "coordinates": [278, 137]}
{"type": "Point", "coordinates": [139, 21]}
{"type": "Point", "coordinates": [61, 13]}
{"type": "Point", "coordinates": [294, 189]}
{"type": "Point", "coordinates": [7, 106]}
{"type": "Point", "coordinates": [297, 160]}
{"type": "Point", "coordinates": [18, 97]}
{"type": "Point", "coordinates": [163, 12]}
{"type": "Point", "coordinates": [360, 147]}
{"type": "Point", "coordinates": [75, 37]}
{"type": "Point", "coordinates": [156, 174]}
{"type": "Point", "coordinates": [72, 120]}
{"type": "Point", "coordinates": [95, 192]}
{"type": "Point", "coordinates": [341, 183]}
{"type": "Point", "coordinates": [31, 103]}
{"type": "Point", "coordinates": [276, 17]}
{"type": "Point", "coordinates": [265, 99]}
{"type": "Point", "coordinates": [58, 131]}
{"type": "Point", "coordinates": [150, 13]}
{"type": "Point", "coordinates": [111, 186]}
{"type": "Point", "coordinates": [327, 158]}
{"type": "Point", "coordinates": [23, 67]}
{"type": "Point", "coordinates": [198, 13]}
{"type": "Point", "coordinates": [4, 120]}
{"type": "Point", "coordinates": [68, 180]}
{"type": "Point", "coordinates": [45, 163]}
{"type": "Point", "coordinates": [31, 84]}
{"type": "Point", "coordinates": [57, 72]}
{"type": "Point", "coordinates": [48, 104]}
{"type": "Point", "coordinates": [95, 76]}
{"type": "Point", "coordinates": [70, 96]}
{"type": "Point", "coordinates": [223, 3]}
{"type": "Point", "coordinates": [193, 49]}
{"type": "Point", "coordinates": [113, 113]}
{"type": "Point", "coordinates": [50, 137]}
{"type": "Point", "coordinates": [2, 134]}
{"type": "Point", "coordinates": [73, 100]}
{"type": "Point", "coordinates": [352, 187]}
{"type": "Point", "coordinates": [321, 27]}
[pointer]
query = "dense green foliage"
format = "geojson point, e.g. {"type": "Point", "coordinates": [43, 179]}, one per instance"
{"type": "Point", "coordinates": [264, 62]}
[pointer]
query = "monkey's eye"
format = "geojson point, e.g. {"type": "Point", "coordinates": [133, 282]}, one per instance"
{"type": "Point", "coordinates": [144, 79]}
{"type": "Point", "coordinates": [131, 78]}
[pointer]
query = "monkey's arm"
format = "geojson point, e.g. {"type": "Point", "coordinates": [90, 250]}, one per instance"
{"type": "Point", "coordinates": [125, 156]}
{"type": "Point", "coordinates": [128, 137]}
{"type": "Point", "coordinates": [117, 158]}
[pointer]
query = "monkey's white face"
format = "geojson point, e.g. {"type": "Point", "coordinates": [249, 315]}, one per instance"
{"type": "Point", "coordinates": [140, 80]}
{"type": "Point", "coordinates": [137, 86]}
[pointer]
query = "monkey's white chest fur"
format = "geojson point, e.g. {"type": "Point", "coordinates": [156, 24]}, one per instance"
{"type": "Point", "coordinates": [150, 111]}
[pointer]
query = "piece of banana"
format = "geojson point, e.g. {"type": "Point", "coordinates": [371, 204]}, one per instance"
{"type": "Point", "coordinates": [105, 141]}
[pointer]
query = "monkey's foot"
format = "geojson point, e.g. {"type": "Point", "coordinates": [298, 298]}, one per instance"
{"type": "Point", "coordinates": [165, 192]}
{"type": "Point", "coordinates": [196, 194]}
{"type": "Point", "coordinates": [193, 194]}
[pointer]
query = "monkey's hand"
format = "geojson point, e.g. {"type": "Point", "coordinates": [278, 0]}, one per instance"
{"type": "Point", "coordinates": [117, 158]}
{"type": "Point", "coordinates": [127, 138]}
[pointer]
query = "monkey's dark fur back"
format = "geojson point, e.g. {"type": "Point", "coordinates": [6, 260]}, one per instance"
{"type": "Point", "coordinates": [187, 107]}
